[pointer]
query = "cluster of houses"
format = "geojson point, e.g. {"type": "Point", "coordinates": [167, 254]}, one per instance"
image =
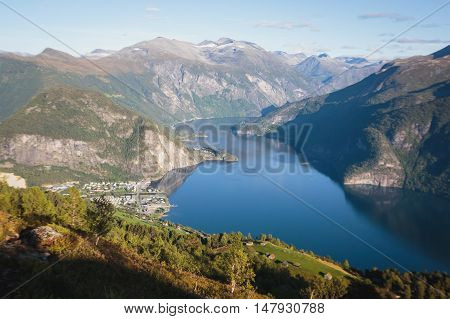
{"type": "Point", "coordinates": [138, 197]}
{"type": "Point", "coordinates": [60, 187]}
{"type": "Point", "coordinates": [104, 187]}
{"type": "Point", "coordinates": [143, 203]}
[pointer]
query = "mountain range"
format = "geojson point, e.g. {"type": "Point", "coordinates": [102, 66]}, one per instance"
{"type": "Point", "coordinates": [172, 81]}
{"type": "Point", "coordinates": [390, 129]}
{"type": "Point", "coordinates": [103, 115]}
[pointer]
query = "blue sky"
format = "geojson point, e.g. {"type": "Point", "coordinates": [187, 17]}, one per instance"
{"type": "Point", "coordinates": [337, 27]}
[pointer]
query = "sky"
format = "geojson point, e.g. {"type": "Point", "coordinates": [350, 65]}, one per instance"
{"type": "Point", "coordinates": [350, 28]}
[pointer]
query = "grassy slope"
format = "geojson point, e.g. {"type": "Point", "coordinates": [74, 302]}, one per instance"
{"type": "Point", "coordinates": [64, 112]}
{"type": "Point", "coordinates": [300, 262]}
{"type": "Point", "coordinates": [72, 113]}
{"type": "Point", "coordinates": [112, 269]}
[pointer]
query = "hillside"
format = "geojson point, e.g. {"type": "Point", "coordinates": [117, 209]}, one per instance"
{"type": "Point", "coordinates": [390, 129]}
{"type": "Point", "coordinates": [67, 132]}
{"type": "Point", "coordinates": [58, 237]}
{"type": "Point", "coordinates": [211, 79]}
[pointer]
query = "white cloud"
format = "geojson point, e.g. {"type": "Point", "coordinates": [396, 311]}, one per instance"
{"type": "Point", "coordinates": [430, 25]}
{"type": "Point", "coordinates": [284, 25]}
{"type": "Point", "coordinates": [309, 49]}
{"type": "Point", "coordinates": [386, 34]}
{"type": "Point", "coordinates": [421, 41]}
{"type": "Point", "coordinates": [349, 47]}
{"type": "Point", "coordinates": [396, 17]}
{"type": "Point", "coordinates": [152, 9]}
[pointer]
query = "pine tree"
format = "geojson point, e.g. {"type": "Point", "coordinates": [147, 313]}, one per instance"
{"type": "Point", "coordinates": [346, 264]}
{"type": "Point", "coordinates": [35, 207]}
{"type": "Point", "coordinates": [100, 217]}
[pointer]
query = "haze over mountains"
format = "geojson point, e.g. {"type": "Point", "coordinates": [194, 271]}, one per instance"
{"type": "Point", "coordinates": [210, 79]}
{"type": "Point", "coordinates": [330, 74]}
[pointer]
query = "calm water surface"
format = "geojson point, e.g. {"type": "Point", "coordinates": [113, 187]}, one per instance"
{"type": "Point", "coordinates": [397, 228]}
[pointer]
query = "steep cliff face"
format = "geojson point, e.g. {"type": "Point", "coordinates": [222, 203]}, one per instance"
{"type": "Point", "coordinates": [159, 154]}
{"type": "Point", "coordinates": [86, 132]}
{"type": "Point", "coordinates": [382, 168]}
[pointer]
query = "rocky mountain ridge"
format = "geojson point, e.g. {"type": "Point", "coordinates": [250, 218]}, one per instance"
{"type": "Point", "coordinates": [170, 80]}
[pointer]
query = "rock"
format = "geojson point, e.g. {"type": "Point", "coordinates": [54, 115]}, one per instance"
{"type": "Point", "coordinates": [14, 236]}
{"type": "Point", "coordinates": [328, 276]}
{"type": "Point", "coordinates": [271, 256]}
{"type": "Point", "coordinates": [40, 236]}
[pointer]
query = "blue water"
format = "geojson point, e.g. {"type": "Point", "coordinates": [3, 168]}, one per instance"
{"type": "Point", "coordinates": [270, 191]}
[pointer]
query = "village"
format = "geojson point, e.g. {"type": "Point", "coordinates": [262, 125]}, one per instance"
{"type": "Point", "coordinates": [138, 197]}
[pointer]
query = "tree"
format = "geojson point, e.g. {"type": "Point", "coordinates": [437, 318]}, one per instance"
{"type": "Point", "coordinates": [6, 195]}
{"type": "Point", "coordinates": [99, 216]}
{"type": "Point", "coordinates": [408, 293]}
{"type": "Point", "coordinates": [35, 207]}
{"type": "Point", "coordinates": [75, 207]}
{"type": "Point", "coordinates": [320, 288]}
{"type": "Point", "coordinates": [236, 267]}
{"type": "Point", "coordinates": [346, 264]}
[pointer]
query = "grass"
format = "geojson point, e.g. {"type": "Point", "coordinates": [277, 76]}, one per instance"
{"type": "Point", "coordinates": [154, 220]}
{"type": "Point", "coordinates": [300, 262]}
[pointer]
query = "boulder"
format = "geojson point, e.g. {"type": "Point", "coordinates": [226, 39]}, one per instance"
{"type": "Point", "coordinates": [41, 236]}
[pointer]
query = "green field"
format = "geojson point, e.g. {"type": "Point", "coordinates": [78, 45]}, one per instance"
{"type": "Point", "coordinates": [299, 262]}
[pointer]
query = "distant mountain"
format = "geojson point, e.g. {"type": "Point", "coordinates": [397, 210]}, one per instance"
{"type": "Point", "coordinates": [99, 53]}
{"type": "Point", "coordinates": [330, 74]}
{"type": "Point", "coordinates": [291, 59]}
{"type": "Point", "coordinates": [390, 129]}
{"type": "Point", "coordinates": [171, 80]}
{"type": "Point", "coordinates": [66, 133]}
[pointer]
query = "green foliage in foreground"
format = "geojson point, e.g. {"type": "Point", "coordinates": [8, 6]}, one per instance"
{"type": "Point", "coordinates": [140, 259]}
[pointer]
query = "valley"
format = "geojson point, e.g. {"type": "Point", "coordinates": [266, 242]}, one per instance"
{"type": "Point", "coordinates": [185, 165]}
